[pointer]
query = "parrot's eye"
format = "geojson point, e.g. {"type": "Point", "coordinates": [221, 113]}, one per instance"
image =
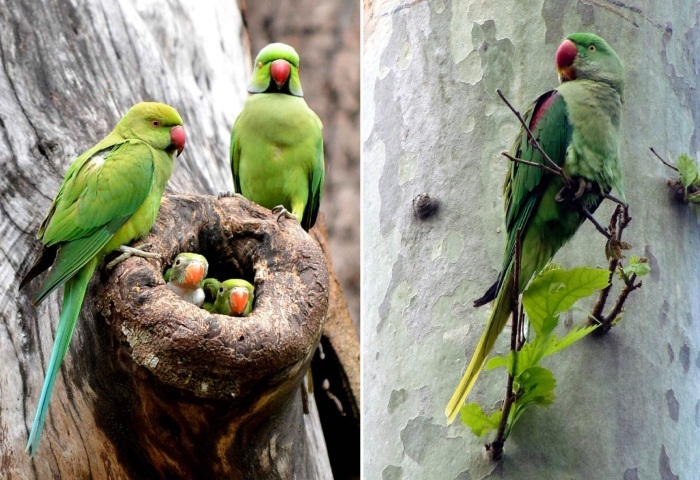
{"type": "Point", "coordinates": [260, 64]}
{"type": "Point", "coordinates": [155, 123]}
{"type": "Point", "coordinates": [221, 290]}
{"type": "Point", "coordinates": [177, 262]}
{"type": "Point", "coordinates": [592, 48]}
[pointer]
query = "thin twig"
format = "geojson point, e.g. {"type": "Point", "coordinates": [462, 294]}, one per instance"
{"type": "Point", "coordinates": [614, 199]}
{"type": "Point", "coordinates": [618, 222]}
{"type": "Point", "coordinates": [495, 448]}
{"type": "Point", "coordinates": [532, 164]}
{"type": "Point", "coordinates": [597, 225]}
{"type": "Point", "coordinates": [662, 160]}
{"type": "Point", "coordinates": [629, 287]}
{"type": "Point", "coordinates": [533, 140]}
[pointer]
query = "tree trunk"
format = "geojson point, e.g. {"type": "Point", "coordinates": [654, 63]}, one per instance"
{"type": "Point", "coordinates": [628, 404]}
{"type": "Point", "coordinates": [69, 71]}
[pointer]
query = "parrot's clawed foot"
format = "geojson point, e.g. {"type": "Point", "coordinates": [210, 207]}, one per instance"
{"type": "Point", "coordinates": [128, 252]}
{"type": "Point", "coordinates": [567, 195]}
{"type": "Point", "coordinates": [229, 194]}
{"type": "Point", "coordinates": [280, 211]}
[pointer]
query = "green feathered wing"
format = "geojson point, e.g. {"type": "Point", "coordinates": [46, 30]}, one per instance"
{"type": "Point", "coordinates": [101, 191]}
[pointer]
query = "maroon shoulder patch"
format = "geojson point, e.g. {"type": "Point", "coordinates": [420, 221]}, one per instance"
{"type": "Point", "coordinates": [543, 103]}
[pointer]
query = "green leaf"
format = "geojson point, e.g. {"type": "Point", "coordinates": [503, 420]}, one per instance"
{"type": "Point", "coordinates": [495, 362]}
{"type": "Point", "coordinates": [474, 417]}
{"type": "Point", "coordinates": [537, 388]}
{"type": "Point", "coordinates": [569, 339]}
{"type": "Point", "coordinates": [555, 291]}
{"type": "Point", "coordinates": [531, 353]}
{"type": "Point", "coordinates": [688, 170]}
{"type": "Point", "coordinates": [638, 266]}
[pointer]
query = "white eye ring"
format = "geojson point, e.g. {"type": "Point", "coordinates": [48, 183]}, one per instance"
{"type": "Point", "coordinates": [591, 48]}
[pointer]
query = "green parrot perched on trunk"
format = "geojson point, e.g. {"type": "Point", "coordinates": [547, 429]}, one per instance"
{"type": "Point", "coordinates": [186, 275]}
{"type": "Point", "coordinates": [277, 142]}
{"type": "Point", "coordinates": [110, 196]}
{"type": "Point", "coordinates": [234, 298]}
{"type": "Point", "coordinates": [577, 125]}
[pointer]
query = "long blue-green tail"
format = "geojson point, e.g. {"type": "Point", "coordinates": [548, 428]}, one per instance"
{"type": "Point", "coordinates": [73, 295]}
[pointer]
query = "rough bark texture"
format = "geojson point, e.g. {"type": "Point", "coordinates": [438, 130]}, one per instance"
{"type": "Point", "coordinates": [202, 395]}
{"type": "Point", "coordinates": [628, 404]}
{"type": "Point", "coordinates": [327, 36]}
{"type": "Point", "coordinates": [69, 71]}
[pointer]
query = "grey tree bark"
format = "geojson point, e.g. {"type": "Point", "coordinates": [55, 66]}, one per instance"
{"type": "Point", "coordinates": [628, 403]}
{"type": "Point", "coordinates": [69, 71]}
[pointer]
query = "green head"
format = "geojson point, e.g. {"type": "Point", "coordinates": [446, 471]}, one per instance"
{"type": "Point", "coordinates": [235, 297]}
{"type": "Point", "coordinates": [157, 124]}
{"type": "Point", "coordinates": [587, 56]}
{"type": "Point", "coordinates": [188, 271]}
{"type": "Point", "coordinates": [276, 70]}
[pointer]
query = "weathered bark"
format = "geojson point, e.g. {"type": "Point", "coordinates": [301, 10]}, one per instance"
{"type": "Point", "coordinates": [628, 404]}
{"type": "Point", "coordinates": [202, 395]}
{"type": "Point", "coordinates": [69, 70]}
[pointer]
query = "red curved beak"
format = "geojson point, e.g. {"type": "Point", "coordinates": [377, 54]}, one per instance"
{"type": "Point", "coordinates": [280, 71]}
{"type": "Point", "coordinates": [566, 54]}
{"type": "Point", "coordinates": [194, 273]}
{"type": "Point", "coordinates": [177, 138]}
{"type": "Point", "coordinates": [238, 299]}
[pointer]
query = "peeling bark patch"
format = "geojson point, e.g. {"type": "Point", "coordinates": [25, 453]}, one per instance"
{"type": "Point", "coordinates": [586, 12]}
{"type": "Point", "coordinates": [553, 16]}
{"type": "Point", "coordinates": [697, 360]}
{"type": "Point", "coordinates": [418, 438]}
{"type": "Point", "coordinates": [396, 398]}
{"type": "Point", "coordinates": [678, 79]}
{"type": "Point", "coordinates": [653, 264]}
{"type": "Point", "coordinates": [665, 466]}
{"type": "Point", "coordinates": [663, 314]}
{"type": "Point", "coordinates": [697, 413]}
{"type": "Point", "coordinates": [673, 405]}
{"type": "Point", "coordinates": [464, 476]}
{"type": "Point", "coordinates": [392, 472]}
{"type": "Point", "coordinates": [631, 474]}
{"type": "Point", "coordinates": [684, 356]}
{"type": "Point", "coordinates": [497, 57]}
{"type": "Point", "coordinates": [671, 355]}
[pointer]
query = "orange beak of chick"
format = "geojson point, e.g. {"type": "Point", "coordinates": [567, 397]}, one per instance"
{"type": "Point", "coordinates": [238, 299]}
{"type": "Point", "coordinates": [194, 273]}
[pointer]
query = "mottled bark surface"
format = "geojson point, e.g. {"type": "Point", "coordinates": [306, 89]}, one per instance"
{"type": "Point", "coordinates": [69, 70]}
{"type": "Point", "coordinates": [327, 36]}
{"type": "Point", "coordinates": [628, 404]}
{"type": "Point", "coordinates": [205, 395]}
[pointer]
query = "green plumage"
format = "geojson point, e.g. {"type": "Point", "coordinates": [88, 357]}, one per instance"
{"type": "Point", "coordinates": [109, 197]}
{"type": "Point", "coordinates": [222, 303]}
{"type": "Point", "coordinates": [277, 143]}
{"type": "Point", "coordinates": [211, 289]}
{"type": "Point", "coordinates": [578, 126]}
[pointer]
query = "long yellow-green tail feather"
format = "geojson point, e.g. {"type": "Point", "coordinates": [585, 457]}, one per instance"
{"type": "Point", "coordinates": [497, 321]}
